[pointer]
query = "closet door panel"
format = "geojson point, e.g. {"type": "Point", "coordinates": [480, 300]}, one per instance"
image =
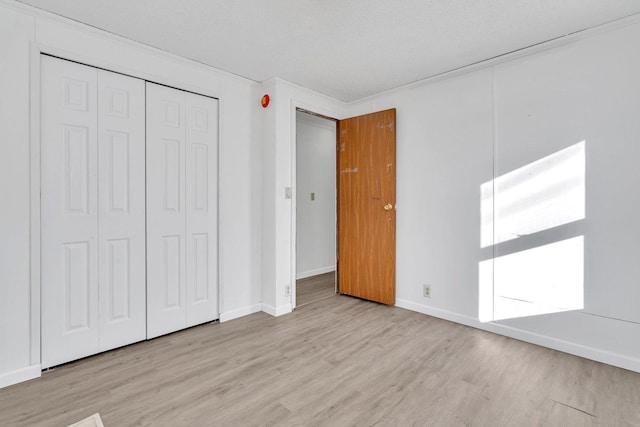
{"type": "Point", "coordinates": [121, 156]}
{"type": "Point", "coordinates": [202, 209]}
{"type": "Point", "coordinates": [69, 212]}
{"type": "Point", "coordinates": [166, 236]}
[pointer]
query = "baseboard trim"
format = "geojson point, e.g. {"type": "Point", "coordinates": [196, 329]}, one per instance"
{"type": "Point", "coordinates": [315, 272]}
{"type": "Point", "coordinates": [20, 375]}
{"type": "Point", "coordinates": [240, 312]}
{"type": "Point", "coordinates": [279, 311]}
{"type": "Point", "coordinates": [614, 359]}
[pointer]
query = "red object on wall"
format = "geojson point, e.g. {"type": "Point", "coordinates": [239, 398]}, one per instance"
{"type": "Point", "coordinates": [265, 100]}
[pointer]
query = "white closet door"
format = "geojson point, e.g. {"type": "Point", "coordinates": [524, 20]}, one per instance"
{"type": "Point", "coordinates": [69, 212]}
{"type": "Point", "coordinates": [166, 234]}
{"type": "Point", "coordinates": [202, 209]}
{"type": "Point", "coordinates": [121, 157]}
{"type": "Point", "coordinates": [182, 221]}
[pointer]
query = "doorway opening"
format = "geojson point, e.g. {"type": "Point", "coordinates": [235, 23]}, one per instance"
{"type": "Point", "coordinates": [315, 212]}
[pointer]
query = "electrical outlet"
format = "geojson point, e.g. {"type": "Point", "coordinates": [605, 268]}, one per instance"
{"type": "Point", "coordinates": [426, 291]}
{"type": "Point", "coordinates": [287, 291]}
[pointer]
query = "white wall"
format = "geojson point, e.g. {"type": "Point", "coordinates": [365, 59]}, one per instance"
{"type": "Point", "coordinates": [24, 31]}
{"type": "Point", "coordinates": [456, 133]}
{"type": "Point", "coordinates": [315, 173]}
{"type": "Point", "coordinates": [271, 196]}
{"type": "Point", "coordinates": [16, 32]}
{"type": "Point", "coordinates": [278, 147]}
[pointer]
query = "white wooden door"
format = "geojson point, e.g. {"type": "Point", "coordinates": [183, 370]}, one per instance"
{"type": "Point", "coordinates": [181, 209]}
{"type": "Point", "coordinates": [69, 212]}
{"type": "Point", "coordinates": [92, 212]}
{"type": "Point", "coordinates": [121, 201]}
{"type": "Point", "coordinates": [166, 257]}
{"type": "Point", "coordinates": [202, 209]}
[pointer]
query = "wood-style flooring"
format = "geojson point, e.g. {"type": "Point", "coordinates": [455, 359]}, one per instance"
{"type": "Point", "coordinates": [314, 288]}
{"type": "Point", "coordinates": [339, 361]}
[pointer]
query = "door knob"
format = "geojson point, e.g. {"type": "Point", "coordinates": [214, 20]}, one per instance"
{"type": "Point", "coordinates": [388, 207]}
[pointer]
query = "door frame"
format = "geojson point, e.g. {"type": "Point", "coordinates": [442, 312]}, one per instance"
{"type": "Point", "coordinates": [36, 50]}
{"type": "Point", "coordinates": [297, 105]}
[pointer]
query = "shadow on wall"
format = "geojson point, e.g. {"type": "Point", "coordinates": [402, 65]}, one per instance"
{"type": "Point", "coordinates": [531, 223]}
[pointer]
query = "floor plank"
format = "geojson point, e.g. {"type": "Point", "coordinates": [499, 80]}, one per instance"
{"type": "Point", "coordinates": [314, 288]}
{"type": "Point", "coordinates": [337, 361]}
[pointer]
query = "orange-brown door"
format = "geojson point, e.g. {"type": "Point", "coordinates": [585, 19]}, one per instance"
{"type": "Point", "coordinates": [366, 206]}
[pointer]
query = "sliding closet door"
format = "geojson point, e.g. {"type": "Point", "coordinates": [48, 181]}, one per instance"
{"type": "Point", "coordinates": [121, 223]}
{"type": "Point", "coordinates": [92, 210]}
{"type": "Point", "coordinates": [202, 209]}
{"type": "Point", "coordinates": [166, 273]}
{"type": "Point", "coordinates": [181, 209]}
{"type": "Point", "coordinates": [69, 212]}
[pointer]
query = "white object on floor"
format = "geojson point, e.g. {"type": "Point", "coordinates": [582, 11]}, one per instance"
{"type": "Point", "coordinates": [93, 421]}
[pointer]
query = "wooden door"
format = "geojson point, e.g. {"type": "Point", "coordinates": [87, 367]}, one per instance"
{"type": "Point", "coordinates": [69, 211]}
{"type": "Point", "coordinates": [366, 206]}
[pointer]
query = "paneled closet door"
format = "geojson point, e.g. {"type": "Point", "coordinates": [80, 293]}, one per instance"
{"type": "Point", "coordinates": [69, 212]}
{"type": "Point", "coordinates": [92, 212]}
{"type": "Point", "coordinates": [202, 209]}
{"type": "Point", "coordinates": [166, 257]}
{"type": "Point", "coordinates": [121, 222]}
{"type": "Point", "coordinates": [182, 144]}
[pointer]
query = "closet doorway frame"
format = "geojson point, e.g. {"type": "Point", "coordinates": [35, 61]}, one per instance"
{"type": "Point", "coordinates": [37, 50]}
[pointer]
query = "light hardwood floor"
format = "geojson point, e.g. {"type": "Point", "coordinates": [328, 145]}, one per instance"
{"type": "Point", "coordinates": [339, 361]}
{"type": "Point", "coordinates": [314, 288]}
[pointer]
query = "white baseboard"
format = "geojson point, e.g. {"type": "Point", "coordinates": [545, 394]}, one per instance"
{"type": "Point", "coordinates": [279, 311]}
{"type": "Point", "coordinates": [615, 359]}
{"type": "Point", "coordinates": [315, 272]}
{"type": "Point", "coordinates": [20, 375]}
{"type": "Point", "coordinates": [240, 312]}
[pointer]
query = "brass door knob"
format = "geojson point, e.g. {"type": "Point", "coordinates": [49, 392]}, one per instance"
{"type": "Point", "coordinates": [388, 207]}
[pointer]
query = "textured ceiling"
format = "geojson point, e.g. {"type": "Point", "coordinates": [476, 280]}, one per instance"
{"type": "Point", "coordinates": [347, 49]}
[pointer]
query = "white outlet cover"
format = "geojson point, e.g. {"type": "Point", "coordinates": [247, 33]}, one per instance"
{"type": "Point", "coordinates": [426, 291]}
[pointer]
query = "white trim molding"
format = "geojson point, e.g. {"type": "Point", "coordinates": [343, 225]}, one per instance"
{"type": "Point", "coordinates": [610, 358]}
{"type": "Point", "coordinates": [240, 312]}
{"type": "Point", "coordinates": [20, 375]}
{"type": "Point", "coordinates": [315, 272]}
{"type": "Point", "coordinates": [277, 311]}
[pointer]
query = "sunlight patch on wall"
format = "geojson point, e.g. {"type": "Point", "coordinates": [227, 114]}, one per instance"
{"type": "Point", "coordinates": [541, 195]}
{"type": "Point", "coordinates": [538, 279]}
{"type": "Point", "coordinates": [541, 280]}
